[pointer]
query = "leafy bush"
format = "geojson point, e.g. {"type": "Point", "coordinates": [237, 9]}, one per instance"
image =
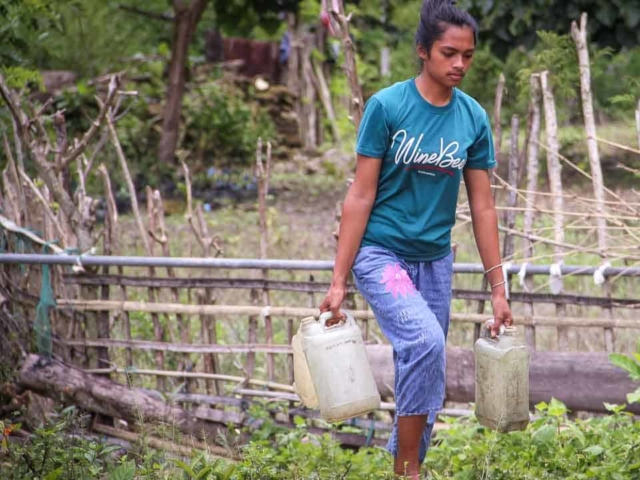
{"type": "Point", "coordinates": [552, 447]}
{"type": "Point", "coordinates": [221, 123]}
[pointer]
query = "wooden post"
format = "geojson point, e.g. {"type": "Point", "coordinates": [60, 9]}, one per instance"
{"type": "Point", "coordinates": [532, 186]}
{"type": "Point", "coordinates": [158, 331]}
{"type": "Point", "coordinates": [497, 145]}
{"type": "Point", "coordinates": [208, 323]}
{"type": "Point", "coordinates": [252, 334]}
{"type": "Point", "coordinates": [579, 36]}
{"type": "Point", "coordinates": [554, 170]}
{"type": "Point", "coordinates": [112, 230]}
{"type": "Point", "coordinates": [160, 235]}
{"type": "Point", "coordinates": [208, 327]}
{"type": "Point", "coordinates": [263, 173]}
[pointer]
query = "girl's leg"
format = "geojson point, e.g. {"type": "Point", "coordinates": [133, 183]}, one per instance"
{"type": "Point", "coordinates": [419, 345]}
{"type": "Point", "coordinates": [410, 432]}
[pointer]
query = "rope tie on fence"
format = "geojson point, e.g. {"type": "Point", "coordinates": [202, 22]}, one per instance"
{"type": "Point", "coordinates": [505, 274]}
{"type": "Point", "coordinates": [371, 432]}
{"type": "Point", "coordinates": [522, 274]}
{"type": "Point", "coordinates": [598, 275]}
{"type": "Point", "coordinates": [555, 278]}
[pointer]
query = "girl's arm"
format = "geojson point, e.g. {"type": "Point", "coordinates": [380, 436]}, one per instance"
{"type": "Point", "coordinates": [355, 215]}
{"type": "Point", "coordinates": [485, 229]}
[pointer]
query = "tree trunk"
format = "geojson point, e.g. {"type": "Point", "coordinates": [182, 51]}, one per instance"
{"type": "Point", "coordinates": [186, 19]}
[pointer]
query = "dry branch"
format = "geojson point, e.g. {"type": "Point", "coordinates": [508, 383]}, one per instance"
{"type": "Point", "coordinates": [105, 107]}
{"type": "Point", "coordinates": [130, 186]}
{"type": "Point", "coordinates": [13, 169]}
{"type": "Point", "coordinates": [47, 209]}
{"type": "Point", "coordinates": [185, 449]}
{"type": "Point", "coordinates": [200, 230]}
{"type": "Point", "coordinates": [357, 103]}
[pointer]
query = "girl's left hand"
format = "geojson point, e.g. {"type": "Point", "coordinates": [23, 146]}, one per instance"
{"type": "Point", "coordinates": [501, 313]}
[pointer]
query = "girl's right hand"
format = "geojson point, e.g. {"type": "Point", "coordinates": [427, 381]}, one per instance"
{"type": "Point", "coordinates": [333, 301]}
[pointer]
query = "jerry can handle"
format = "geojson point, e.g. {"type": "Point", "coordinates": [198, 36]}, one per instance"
{"type": "Point", "coordinates": [326, 316]}
{"type": "Point", "coordinates": [484, 332]}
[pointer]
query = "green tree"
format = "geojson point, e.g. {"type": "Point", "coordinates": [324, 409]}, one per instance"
{"type": "Point", "coordinates": [505, 25]}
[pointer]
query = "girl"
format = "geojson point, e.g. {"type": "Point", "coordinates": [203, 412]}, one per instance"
{"type": "Point", "coordinates": [417, 139]}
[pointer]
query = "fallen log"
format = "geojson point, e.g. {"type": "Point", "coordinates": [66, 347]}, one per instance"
{"type": "Point", "coordinates": [58, 380]}
{"type": "Point", "coordinates": [584, 381]}
{"type": "Point", "coordinates": [101, 395]}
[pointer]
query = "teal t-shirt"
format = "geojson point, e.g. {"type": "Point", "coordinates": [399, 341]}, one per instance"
{"type": "Point", "coordinates": [424, 150]}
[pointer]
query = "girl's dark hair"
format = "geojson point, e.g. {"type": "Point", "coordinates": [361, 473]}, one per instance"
{"type": "Point", "coordinates": [436, 16]}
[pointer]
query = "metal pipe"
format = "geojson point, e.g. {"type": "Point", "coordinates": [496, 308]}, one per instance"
{"type": "Point", "coordinates": [273, 264]}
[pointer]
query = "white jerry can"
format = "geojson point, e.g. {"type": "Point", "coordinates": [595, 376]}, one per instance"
{"type": "Point", "coordinates": [339, 368]}
{"type": "Point", "coordinates": [302, 383]}
{"type": "Point", "coordinates": [502, 381]}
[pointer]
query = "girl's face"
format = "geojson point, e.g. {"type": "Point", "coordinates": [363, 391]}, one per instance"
{"type": "Point", "coordinates": [450, 56]}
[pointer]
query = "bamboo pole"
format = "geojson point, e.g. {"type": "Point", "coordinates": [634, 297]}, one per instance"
{"type": "Point", "coordinates": [184, 348]}
{"type": "Point", "coordinates": [299, 312]}
{"type": "Point", "coordinates": [573, 196]}
{"type": "Point", "coordinates": [554, 170]}
{"type": "Point", "coordinates": [242, 284]}
{"type": "Point", "coordinates": [618, 145]}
